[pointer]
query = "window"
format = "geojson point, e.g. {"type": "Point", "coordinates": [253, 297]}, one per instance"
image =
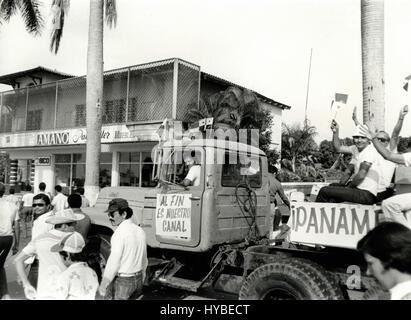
{"type": "Point", "coordinates": [34, 119]}
{"type": "Point", "coordinates": [71, 170]}
{"type": "Point", "coordinates": [115, 111]}
{"type": "Point", "coordinates": [136, 169]}
{"type": "Point", "coordinates": [80, 115]}
{"type": "Point", "coordinates": [246, 167]}
{"type": "Point", "coordinates": [6, 122]}
{"type": "Point", "coordinates": [132, 109]}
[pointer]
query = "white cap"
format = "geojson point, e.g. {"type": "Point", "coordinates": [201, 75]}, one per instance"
{"type": "Point", "coordinates": [73, 243]}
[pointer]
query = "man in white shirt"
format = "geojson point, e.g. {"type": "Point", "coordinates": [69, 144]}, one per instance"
{"type": "Point", "coordinates": [60, 200]}
{"type": "Point", "coordinates": [41, 212]}
{"type": "Point", "coordinates": [387, 168]}
{"type": "Point", "coordinates": [8, 220]}
{"type": "Point", "coordinates": [124, 274]}
{"type": "Point", "coordinates": [50, 263]}
{"type": "Point", "coordinates": [85, 203]}
{"type": "Point", "coordinates": [12, 197]}
{"type": "Point", "coordinates": [387, 251]}
{"type": "Point", "coordinates": [42, 188]}
{"type": "Point", "coordinates": [26, 213]}
{"type": "Point", "coordinates": [193, 176]}
{"type": "Point", "coordinates": [394, 207]}
{"type": "Point", "coordinates": [363, 187]}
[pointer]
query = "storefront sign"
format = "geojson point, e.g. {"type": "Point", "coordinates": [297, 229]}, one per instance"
{"type": "Point", "coordinates": [109, 134]}
{"type": "Point", "coordinates": [331, 224]}
{"type": "Point", "coordinates": [53, 138]}
{"type": "Point", "coordinates": [173, 215]}
{"type": "Point", "coordinates": [45, 161]}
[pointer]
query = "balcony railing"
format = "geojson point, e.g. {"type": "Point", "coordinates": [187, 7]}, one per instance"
{"type": "Point", "coordinates": [141, 93]}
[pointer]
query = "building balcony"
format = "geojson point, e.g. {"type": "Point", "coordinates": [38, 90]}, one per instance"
{"type": "Point", "coordinates": [143, 94]}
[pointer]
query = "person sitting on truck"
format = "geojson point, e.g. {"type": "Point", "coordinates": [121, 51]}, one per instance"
{"type": "Point", "coordinates": [387, 251]}
{"type": "Point", "coordinates": [194, 171]}
{"type": "Point", "coordinates": [385, 189]}
{"type": "Point", "coordinates": [393, 208]}
{"type": "Point", "coordinates": [363, 187]}
{"type": "Point", "coordinates": [275, 188]}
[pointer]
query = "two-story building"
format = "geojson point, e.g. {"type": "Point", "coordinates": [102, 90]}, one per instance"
{"type": "Point", "coordinates": [43, 120]}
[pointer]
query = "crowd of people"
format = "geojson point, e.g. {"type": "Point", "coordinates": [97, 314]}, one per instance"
{"type": "Point", "coordinates": [58, 256]}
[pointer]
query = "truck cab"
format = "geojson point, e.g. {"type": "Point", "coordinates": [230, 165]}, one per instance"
{"type": "Point", "coordinates": [196, 218]}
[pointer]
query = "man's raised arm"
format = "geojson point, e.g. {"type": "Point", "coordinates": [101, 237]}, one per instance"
{"type": "Point", "coordinates": [395, 136]}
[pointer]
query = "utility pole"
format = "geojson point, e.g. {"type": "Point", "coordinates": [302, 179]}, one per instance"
{"type": "Point", "coordinates": [308, 89]}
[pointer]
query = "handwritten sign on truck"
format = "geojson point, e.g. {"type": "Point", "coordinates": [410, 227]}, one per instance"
{"type": "Point", "coordinates": [173, 215]}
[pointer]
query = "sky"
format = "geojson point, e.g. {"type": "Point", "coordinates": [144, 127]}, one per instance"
{"type": "Point", "coordinates": [263, 45]}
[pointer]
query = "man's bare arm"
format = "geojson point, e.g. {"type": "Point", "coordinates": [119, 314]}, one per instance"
{"type": "Point", "coordinates": [395, 136]}
{"type": "Point", "coordinates": [387, 154]}
{"type": "Point", "coordinates": [359, 177]}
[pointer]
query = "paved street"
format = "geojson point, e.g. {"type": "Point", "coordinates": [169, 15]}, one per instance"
{"type": "Point", "coordinates": [151, 293]}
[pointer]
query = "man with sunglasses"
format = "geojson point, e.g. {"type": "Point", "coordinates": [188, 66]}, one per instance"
{"type": "Point", "coordinates": [394, 207]}
{"type": "Point", "coordinates": [124, 275]}
{"type": "Point", "coordinates": [50, 263]}
{"type": "Point", "coordinates": [41, 212]}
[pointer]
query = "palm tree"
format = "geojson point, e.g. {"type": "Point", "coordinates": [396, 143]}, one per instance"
{"type": "Point", "coordinates": [372, 43]}
{"type": "Point", "coordinates": [94, 87]}
{"type": "Point", "coordinates": [29, 11]}
{"type": "Point", "coordinates": [297, 143]}
{"type": "Point", "coordinates": [232, 108]}
{"type": "Point", "coordinates": [31, 14]}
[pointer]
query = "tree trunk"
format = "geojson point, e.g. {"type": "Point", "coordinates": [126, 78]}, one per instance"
{"type": "Point", "coordinates": [293, 160]}
{"type": "Point", "coordinates": [94, 99]}
{"type": "Point", "coordinates": [372, 45]}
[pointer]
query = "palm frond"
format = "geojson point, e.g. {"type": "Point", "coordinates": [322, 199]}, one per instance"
{"type": "Point", "coordinates": [8, 8]}
{"type": "Point", "coordinates": [111, 13]}
{"type": "Point", "coordinates": [30, 12]}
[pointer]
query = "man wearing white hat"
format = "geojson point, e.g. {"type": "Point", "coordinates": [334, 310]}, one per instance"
{"type": "Point", "coordinates": [78, 281]}
{"type": "Point", "coordinates": [364, 185]}
{"type": "Point", "coordinates": [50, 263]}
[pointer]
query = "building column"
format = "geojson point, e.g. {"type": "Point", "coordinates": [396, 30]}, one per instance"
{"type": "Point", "coordinates": [115, 173]}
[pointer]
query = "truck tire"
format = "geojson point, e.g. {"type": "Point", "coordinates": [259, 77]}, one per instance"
{"type": "Point", "coordinates": [291, 279]}
{"type": "Point", "coordinates": [98, 250]}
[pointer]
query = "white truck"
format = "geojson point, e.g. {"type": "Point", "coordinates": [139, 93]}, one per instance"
{"type": "Point", "coordinates": [217, 234]}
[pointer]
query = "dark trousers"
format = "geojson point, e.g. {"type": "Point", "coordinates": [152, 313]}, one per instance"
{"type": "Point", "coordinates": [388, 193]}
{"type": "Point", "coordinates": [336, 194]}
{"type": "Point", "coordinates": [125, 288]}
{"type": "Point", "coordinates": [5, 245]}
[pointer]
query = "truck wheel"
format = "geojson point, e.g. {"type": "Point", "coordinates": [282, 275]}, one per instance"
{"type": "Point", "coordinates": [98, 250]}
{"type": "Point", "coordinates": [291, 279]}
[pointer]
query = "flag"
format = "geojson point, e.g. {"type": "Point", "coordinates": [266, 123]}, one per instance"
{"type": "Point", "coordinates": [339, 101]}
{"type": "Point", "coordinates": [405, 85]}
{"type": "Point", "coordinates": [341, 98]}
